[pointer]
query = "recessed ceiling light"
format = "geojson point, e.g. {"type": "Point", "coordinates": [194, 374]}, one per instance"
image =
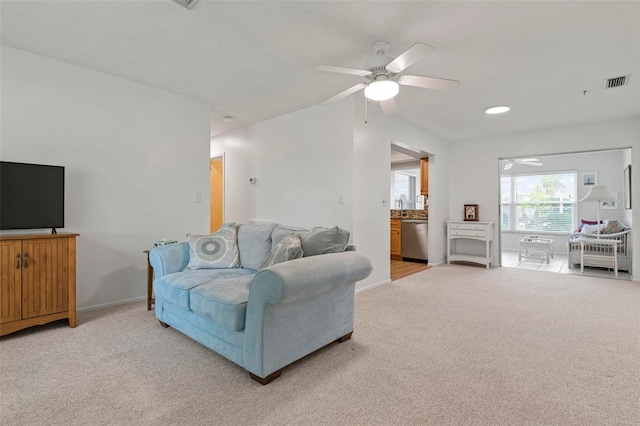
{"type": "Point", "coordinates": [228, 119]}
{"type": "Point", "coordinates": [499, 109]}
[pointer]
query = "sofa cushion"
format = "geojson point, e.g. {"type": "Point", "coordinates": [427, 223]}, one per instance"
{"type": "Point", "coordinates": [288, 248]}
{"type": "Point", "coordinates": [218, 250]}
{"type": "Point", "coordinates": [324, 240]}
{"type": "Point", "coordinates": [223, 300]}
{"type": "Point", "coordinates": [282, 231]}
{"type": "Point", "coordinates": [254, 244]}
{"type": "Point", "coordinates": [175, 287]}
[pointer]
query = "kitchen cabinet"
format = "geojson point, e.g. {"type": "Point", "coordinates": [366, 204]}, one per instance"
{"type": "Point", "coordinates": [396, 239]}
{"type": "Point", "coordinates": [424, 177]}
{"type": "Point", "coordinates": [38, 275]}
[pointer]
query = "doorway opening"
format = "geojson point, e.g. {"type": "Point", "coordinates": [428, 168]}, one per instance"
{"type": "Point", "coordinates": [409, 192]}
{"type": "Point", "coordinates": [544, 207]}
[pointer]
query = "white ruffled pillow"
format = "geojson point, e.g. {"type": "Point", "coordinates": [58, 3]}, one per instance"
{"type": "Point", "coordinates": [593, 229]}
{"type": "Point", "coordinates": [288, 248]}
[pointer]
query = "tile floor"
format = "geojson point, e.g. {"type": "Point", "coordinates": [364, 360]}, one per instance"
{"type": "Point", "coordinates": [557, 264]}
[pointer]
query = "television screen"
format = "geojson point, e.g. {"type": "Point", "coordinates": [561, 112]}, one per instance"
{"type": "Point", "coordinates": [31, 196]}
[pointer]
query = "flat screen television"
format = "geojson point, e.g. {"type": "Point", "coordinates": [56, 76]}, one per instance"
{"type": "Point", "coordinates": [31, 196]}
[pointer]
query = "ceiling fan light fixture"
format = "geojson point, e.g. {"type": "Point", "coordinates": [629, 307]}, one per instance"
{"type": "Point", "coordinates": [381, 90]}
{"type": "Point", "coordinates": [498, 109]}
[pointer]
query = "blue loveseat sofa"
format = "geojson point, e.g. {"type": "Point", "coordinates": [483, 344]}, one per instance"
{"type": "Point", "coordinates": [262, 306]}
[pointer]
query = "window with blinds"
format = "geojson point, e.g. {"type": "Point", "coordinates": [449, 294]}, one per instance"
{"type": "Point", "coordinates": [539, 202]}
{"type": "Point", "coordinates": [404, 188]}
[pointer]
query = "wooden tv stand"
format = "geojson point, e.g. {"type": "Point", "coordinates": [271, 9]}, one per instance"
{"type": "Point", "coordinates": [38, 280]}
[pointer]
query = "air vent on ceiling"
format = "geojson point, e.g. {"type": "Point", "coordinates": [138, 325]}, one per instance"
{"type": "Point", "coordinates": [610, 83]}
{"type": "Point", "coordinates": [186, 3]}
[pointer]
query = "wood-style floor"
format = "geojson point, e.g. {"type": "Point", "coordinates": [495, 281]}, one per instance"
{"type": "Point", "coordinates": [400, 269]}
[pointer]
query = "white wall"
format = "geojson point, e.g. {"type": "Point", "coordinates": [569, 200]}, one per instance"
{"type": "Point", "coordinates": [304, 160]}
{"type": "Point", "coordinates": [135, 156]}
{"type": "Point", "coordinates": [474, 172]}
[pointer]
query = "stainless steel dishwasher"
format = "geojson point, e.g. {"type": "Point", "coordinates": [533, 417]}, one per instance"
{"type": "Point", "coordinates": [415, 240]}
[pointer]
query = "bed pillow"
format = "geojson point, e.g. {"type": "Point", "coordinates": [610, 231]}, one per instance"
{"type": "Point", "coordinates": [288, 248]}
{"type": "Point", "coordinates": [216, 251]}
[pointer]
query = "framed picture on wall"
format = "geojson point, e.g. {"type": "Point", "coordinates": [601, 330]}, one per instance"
{"type": "Point", "coordinates": [627, 187]}
{"type": "Point", "coordinates": [610, 205]}
{"type": "Point", "coordinates": [589, 179]}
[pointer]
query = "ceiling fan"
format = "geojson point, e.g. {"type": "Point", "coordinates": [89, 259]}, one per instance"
{"type": "Point", "coordinates": [383, 79]}
{"type": "Point", "coordinates": [508, 164]}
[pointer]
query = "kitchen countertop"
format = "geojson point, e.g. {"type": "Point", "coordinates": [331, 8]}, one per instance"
{"type": "Point", "coordinates": [409, 214]}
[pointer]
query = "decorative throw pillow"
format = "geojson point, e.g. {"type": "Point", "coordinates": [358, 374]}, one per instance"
{"type": "Point", "coordinates": [612, 227]}
{"type": "Point", "coordinates": [216, 251]}
{"type": "Point", "coordinates": [593, 229]}
{"type": "Point", "coordinates": [288, 248]}
{"type": "Point", "coordinates": [324, 240]}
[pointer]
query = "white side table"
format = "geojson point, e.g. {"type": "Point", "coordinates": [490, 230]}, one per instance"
{"type": "Point", "coordinates": [600, 252]}
{"type": "Point", "coordinates": [535, 248]}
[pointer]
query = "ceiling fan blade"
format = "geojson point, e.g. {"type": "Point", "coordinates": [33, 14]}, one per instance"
{"type": "Point", "coordinates": [343, 70]}
{"type": "Point", "coordinates": [428, 82]}
{"type": "Point", "coordinates": [389, 106]}
{"type": "Point", "coordinates": [409, 57]}
{"type": "Point", "coordinates": [345, 93]}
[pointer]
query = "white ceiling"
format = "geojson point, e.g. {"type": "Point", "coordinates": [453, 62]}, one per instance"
{"type": "Point", "coordinates": [256, 60]}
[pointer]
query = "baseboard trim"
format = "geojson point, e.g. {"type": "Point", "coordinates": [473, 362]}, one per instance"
{"type": "Point", "coordinates": [111, 304]}
{"type": "Point", "coordinates": [434, 264]}
{"type": "Point", "coordinates": [372, 286]}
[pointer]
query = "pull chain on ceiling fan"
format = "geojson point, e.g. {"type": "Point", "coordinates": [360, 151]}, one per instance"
{"type": "Point", "coordinates": [384, 81]}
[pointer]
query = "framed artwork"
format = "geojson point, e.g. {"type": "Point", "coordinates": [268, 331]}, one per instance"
{"type": "Point", "coordinates": [589, 179]}
{"type": "Point", "coordinates": [471, 212]}
{"type": "Point", "coordinates": [610, 205]}
{"type": "Point", "coordinates": [627, 187]}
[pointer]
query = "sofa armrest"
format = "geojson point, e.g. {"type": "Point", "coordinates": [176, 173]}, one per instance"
{"type": "Point", "coordinates": [169, 259]}
{"type": "Point", "coordinates": [298, 306]}
{"type": "Point", "coordinates": [309, 276]}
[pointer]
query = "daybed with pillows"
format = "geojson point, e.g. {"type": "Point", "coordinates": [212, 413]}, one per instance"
{"type": "Point", "coordinates": [611, 230]}
{"type": "Point", "coordinates": [262, 296]}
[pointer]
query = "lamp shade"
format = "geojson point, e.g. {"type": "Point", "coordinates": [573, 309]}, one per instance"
{"type": "Point", "coordinates": [381, 90]}
{"type": "Point", "coordinates": [598, 193]}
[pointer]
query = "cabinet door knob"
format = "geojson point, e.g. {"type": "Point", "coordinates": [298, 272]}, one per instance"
{"type": "Point", "coordinates": [18, 261]}
{"type": "Point", "coordinates": [26, 260]}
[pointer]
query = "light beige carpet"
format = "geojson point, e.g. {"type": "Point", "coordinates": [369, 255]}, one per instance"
{"type": "Point", "coordinates": [450, 345]}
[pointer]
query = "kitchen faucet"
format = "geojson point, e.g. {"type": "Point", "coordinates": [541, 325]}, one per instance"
{"type": "Point", "coordinates": [401, 204]}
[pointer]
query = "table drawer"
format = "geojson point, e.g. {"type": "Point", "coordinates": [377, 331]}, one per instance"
{"type": "Point", "coordinates": [467, 227]}
{"type": "Point", "coordinates": [467, 233]}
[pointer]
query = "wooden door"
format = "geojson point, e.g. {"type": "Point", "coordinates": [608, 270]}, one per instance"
{"type": "Point", "coordinates": [217, 193]}
{"type": "Point", "coordinates": [45, 276]}
{"type": "Point", "coordinates": [10, 282]}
